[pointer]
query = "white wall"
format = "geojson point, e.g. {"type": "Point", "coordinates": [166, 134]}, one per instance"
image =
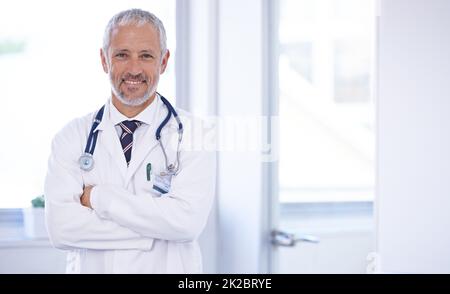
{"type": "Point", "coordinates": [413, 202]}
{"type": "Point", "coordinates": [196, 89]}
{"type": "Point", "coordinates": [240, 93]}
{"type": "Point", "coordinates": [31, 257]}
{"type": "Point", "coordinates": [21, 255]}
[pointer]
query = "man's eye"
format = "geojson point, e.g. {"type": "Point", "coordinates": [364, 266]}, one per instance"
{"type": "Point", "coordinates": [146, 56]}
{"type": "Point", "coordinates": [121, 55]}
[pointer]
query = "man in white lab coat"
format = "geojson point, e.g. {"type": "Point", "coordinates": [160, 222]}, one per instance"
{"type": "Point", "coordinates": [115, 218]}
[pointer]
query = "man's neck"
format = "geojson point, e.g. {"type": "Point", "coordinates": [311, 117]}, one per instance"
{"type": "Point", "coordinates": [131, 111]}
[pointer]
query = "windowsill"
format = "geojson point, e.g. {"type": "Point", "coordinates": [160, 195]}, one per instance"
{"type": "Point", "coordinates": [12, 232]}
{"type": "Point", "coordinates": [335, 207]}
{"type": "Point", "coordinates": [11, 215]}
{"type": "Point", "coordinates": [23, 243]}
{"type": "Point", "coordinates": [326, 195]}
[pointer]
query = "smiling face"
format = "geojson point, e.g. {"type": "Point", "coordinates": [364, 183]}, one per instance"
{"type": "Point", "coordinates": [134, 62]}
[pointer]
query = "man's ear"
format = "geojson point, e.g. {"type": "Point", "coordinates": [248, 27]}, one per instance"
{"type": "Point", "coordinates": [164, 61]}
{"type": "Point", "coordinates": [104, 62]}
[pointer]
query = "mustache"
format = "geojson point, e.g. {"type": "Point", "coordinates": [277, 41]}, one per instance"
{"type": "Point", "coordinates": [135, 78]}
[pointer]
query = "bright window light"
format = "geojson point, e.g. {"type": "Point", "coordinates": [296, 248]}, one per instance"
{"type": "Point", "coordinates": [326, 107]}
{"type": "Point", "coordinates": [50, 73]}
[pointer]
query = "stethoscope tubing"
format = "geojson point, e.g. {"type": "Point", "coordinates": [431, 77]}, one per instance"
{"type": "Point", "coordinates": [86, 160]}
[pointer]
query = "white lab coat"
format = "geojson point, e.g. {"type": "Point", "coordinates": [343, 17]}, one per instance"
{"type": "Point", "coordinates": [132, 228]}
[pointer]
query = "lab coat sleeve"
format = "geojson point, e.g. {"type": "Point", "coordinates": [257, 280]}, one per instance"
{"type": "Point", "coordinates": [69, 224]}
{"type": "Point", "coordinates": [179, 215]}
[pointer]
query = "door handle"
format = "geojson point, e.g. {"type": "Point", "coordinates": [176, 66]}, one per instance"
{"type": "Point", "coordinates": [280, 238]}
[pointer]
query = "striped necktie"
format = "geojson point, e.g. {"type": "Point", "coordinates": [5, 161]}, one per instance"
{"type": "Point", "coordinates": [126, 139]}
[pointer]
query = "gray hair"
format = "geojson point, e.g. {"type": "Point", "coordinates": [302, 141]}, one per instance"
{"type": "Point", "coordinates": [136, 17]}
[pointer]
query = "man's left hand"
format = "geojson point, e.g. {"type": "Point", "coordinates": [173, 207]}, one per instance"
{"type": "Point", "coordinates": [86, 197]}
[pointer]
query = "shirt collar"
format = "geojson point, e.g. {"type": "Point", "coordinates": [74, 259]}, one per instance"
{"type": "Point", "coordinates": [146, 116]}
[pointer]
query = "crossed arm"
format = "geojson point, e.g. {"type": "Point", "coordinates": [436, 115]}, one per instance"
{"type": "Point", "coordinates": [110, 217]}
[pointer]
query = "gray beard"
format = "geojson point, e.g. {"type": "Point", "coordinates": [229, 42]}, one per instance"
{"type": "Point", "coordinates": [130, 102]}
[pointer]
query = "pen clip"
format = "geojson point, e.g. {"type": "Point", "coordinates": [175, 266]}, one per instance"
{"type": "Point", "coordinates": [149, 171]}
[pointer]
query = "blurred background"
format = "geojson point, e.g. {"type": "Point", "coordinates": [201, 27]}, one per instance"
{"type": "Point", "coordinates": [303, 79]}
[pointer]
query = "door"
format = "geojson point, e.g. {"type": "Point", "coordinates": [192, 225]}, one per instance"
{"type": "Point", "coordinates": [323, 183]}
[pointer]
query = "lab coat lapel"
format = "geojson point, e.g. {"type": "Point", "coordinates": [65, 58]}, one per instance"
{"type": "Point", "coordinates": [109, 140]}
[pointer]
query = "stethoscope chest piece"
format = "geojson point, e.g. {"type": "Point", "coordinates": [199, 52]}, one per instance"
{"type": "Point", "coordinates": [86, 162]}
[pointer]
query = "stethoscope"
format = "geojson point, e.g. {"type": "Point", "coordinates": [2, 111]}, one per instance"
{"type": "Point", "coordinates": [86, 160]}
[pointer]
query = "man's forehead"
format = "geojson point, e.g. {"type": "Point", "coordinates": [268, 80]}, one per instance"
{"type": "Point", "coordinates": [136, 33]}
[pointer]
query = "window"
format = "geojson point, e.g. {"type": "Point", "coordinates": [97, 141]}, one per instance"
{"type": "Point", "coordinates": [326, 107]}
{"type": "Point", "coordinates": [50, 73]}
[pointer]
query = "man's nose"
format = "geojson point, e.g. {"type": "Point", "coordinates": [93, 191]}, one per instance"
{"type": "Point", "coordinates": [134, 67]}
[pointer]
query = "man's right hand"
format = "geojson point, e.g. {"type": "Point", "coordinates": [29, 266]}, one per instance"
{"type": "Point", "coordinates": [86, 197]}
